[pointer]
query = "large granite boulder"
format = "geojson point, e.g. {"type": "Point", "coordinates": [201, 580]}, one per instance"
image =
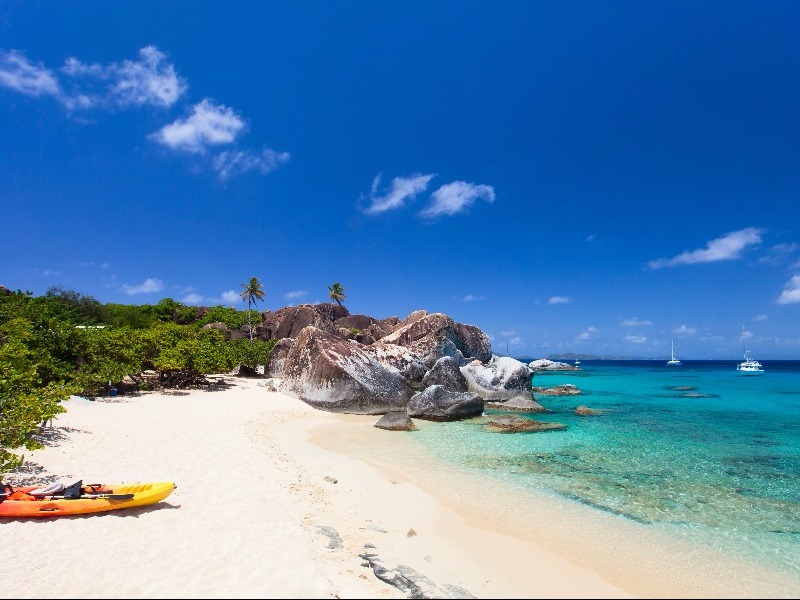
{"type": "Point", "coordinates": [402, 359]}
{"type": "Point", "coordinates": [514, 424]}
{"type": "Point", "coordinates": [437, 403]}
{"type": "Point", "coordinates": [544, 364]}
{"type": "Point", "coordinates": [219, 326]}
{"type": "Point", "coordinates": [566, 389]}
{"type": "Point", "coordinates": [396, 421]}
{"type": "Point", "coordinates": [518, 404]}
{"type": "Point", "coordinates": [502, 377]}
{"type": "Point", "coordinates": [359, 322]}
{"type": "Point", "coordinates": [380, 329]}
{"type": "Point", "coordinates": [277, 358]}
{"type": "Point", "coordinates": [446, 372]}
{"type": "Point", "coordinates": [333, 374]}
{"type": "Point", "coordinates": [431, 336]}
{"type": "Point", "coordinates": [289, 321]}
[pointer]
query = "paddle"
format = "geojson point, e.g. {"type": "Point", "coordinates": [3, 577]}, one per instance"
{"type": "Point", "coordinates": [84, 497]}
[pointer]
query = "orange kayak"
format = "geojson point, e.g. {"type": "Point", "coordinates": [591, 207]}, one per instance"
{"type": "Point", "coordinates": [25, 502]}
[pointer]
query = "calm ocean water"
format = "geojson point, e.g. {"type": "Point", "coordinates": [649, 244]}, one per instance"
{"type": "Point", "coordinates": [696, 451]}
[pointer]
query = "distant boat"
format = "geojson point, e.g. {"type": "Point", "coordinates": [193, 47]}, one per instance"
{"type": "Point", "coordinates": [673, 362]}
{"type": "Point", "coordinates": [577, 362]}
{"type": "Point", "coordinates": [749, 366]}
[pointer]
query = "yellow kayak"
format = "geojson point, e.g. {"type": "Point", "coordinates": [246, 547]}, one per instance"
{"type": "Point", "coordinates": [79, 499]}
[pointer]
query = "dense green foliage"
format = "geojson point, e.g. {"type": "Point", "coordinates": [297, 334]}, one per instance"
{"type": "Point", "coordinates": [66, 343]}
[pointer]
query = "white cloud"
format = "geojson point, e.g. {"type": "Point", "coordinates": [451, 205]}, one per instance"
{"type": "Point", "coordinates": [559, 300]}
{"type": "Point", "coordinates": [453, 198]}
{"type": "Point", "coordinates": [635, 339]}
{"type": "Point", "coordinates": [471, 298]}
{"type": "Point", "coordinates": [296, 294]}
{"type": "Point", "coordinates": [636, 322]}
{"type": "Point", "coordinates": [728, 247]}
{"type": "Point", "coordinates": [515, 341]}
{"type": "Point", "coordinates": [779, 253]}
{"type": "Point", "coordinates": [48, 273]}
{"type": "Point", "coordinates": [26, 77]}
{"type": "Point", "coordinates": [591, 238]}
{"type": "Point", "coordinates": [237, 162]}
{"type": "Point", "coordinates": [587, 334]}
{"type": "Point", "coordinates": [760, 318]}
{"type": "Point", "coordinates": [746, 335]}
{"type": "Point", "coordinates": [791, 291]}
{"type": "Point", "coordinates": [149, 285]}
{"type": "Point", "coordinates": [403, 189]}
{"type": "Point", "coordinates": [684, 330]}
{"type": "Point", "coordinates": [209, 125]}
{"type": "Point", "coordinates": [508, 332]}
{"type": "Point", "coordinates": [230, 296]}
{"type": "Point", "coordinates": [192, 299]}
{"type": "Point", "coordinates": [148, 80]}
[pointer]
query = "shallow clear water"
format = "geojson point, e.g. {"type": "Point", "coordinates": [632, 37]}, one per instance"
{"type": "Point", "coordinates": [696, 451]}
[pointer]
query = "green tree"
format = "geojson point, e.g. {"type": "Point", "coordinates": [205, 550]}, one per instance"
{"type": "Point", "coordinates": [336, 293]}
{"type": "Point", "coordinates": [252, 292]}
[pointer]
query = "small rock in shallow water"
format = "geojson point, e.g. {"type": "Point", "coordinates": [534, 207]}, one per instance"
{"type": "Point", "coordinates": [411, 533]}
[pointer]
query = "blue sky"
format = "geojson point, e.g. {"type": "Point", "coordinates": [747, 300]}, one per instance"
{"type": "Point", "coordinates": [596, 177]}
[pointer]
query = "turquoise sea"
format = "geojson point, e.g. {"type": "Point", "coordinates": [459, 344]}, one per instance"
{"type": "Point", "coordinates": [698, 451]}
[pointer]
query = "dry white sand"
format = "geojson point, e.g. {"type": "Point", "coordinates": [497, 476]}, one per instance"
{"type": "Point", "coordinates": [277, 500]}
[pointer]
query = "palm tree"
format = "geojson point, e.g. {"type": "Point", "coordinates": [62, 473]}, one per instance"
{"type": "Point", "coordinates": [252, 292]}
{"type": "Point", "coordinates": [337, 293]}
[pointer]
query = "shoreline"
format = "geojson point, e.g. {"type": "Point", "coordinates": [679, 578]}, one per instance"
{"type": "Point", "coordinates": [278, 499]}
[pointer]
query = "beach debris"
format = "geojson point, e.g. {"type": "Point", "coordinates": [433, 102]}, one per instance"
{"type": "Point", "coordinates": [374, 527]}
{"type": "Point", "coordinates": [330, 479]}
{"type": "Point", "coordinates": [396, 421]}
{"type": "Point", "coordinates": [437, 403]}
{"type": "Point", "coordinates": [411, 533]}
{"type": "Point", "coordinates": [410, 581]}
{"type": "Point", "coordinates": [334, 539]}
{"type": "Point", "coordinates": [514, 424]}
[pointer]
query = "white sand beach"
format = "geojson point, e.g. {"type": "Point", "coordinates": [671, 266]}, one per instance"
{"type": "Point", "coordinates": [275, 499]}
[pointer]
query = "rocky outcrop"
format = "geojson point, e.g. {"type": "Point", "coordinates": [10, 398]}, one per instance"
{"type": "Point", "coordinates": [514, 424]}
{"type": "Point", "coordinates": [221, 327]}
{"type": "Point", "coordinates": [396, 421]}
{"type": "Point", "coordinates": [432, 336]}
{"type": "Point", "coordinates": [446, 372]}
{"type": "Point", "coordinates": [4, 291]}
{"type": "Point", "coordinates": [288, 322]}
{"type": "Point", "coordinates": [544, 364]}
{"type": "Point", "coordinates": [336, 375]}
{"type": "Point", "coordinates": [402, 359]}
{"type": "Point", "coordinates": [519, 404]}
{"type": "Point", "coordinates": [277, 358]}
{"type": "Point", "coordinates": [566, 389]}
{"type": "Point", "coordinates": [502, 377]}
{"type": "Point", "coordinates": [585, 411]}
{"type": "Point", "coordinates": [380, 329]}
{"type": "Point", "coordinates": [439, 404]}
